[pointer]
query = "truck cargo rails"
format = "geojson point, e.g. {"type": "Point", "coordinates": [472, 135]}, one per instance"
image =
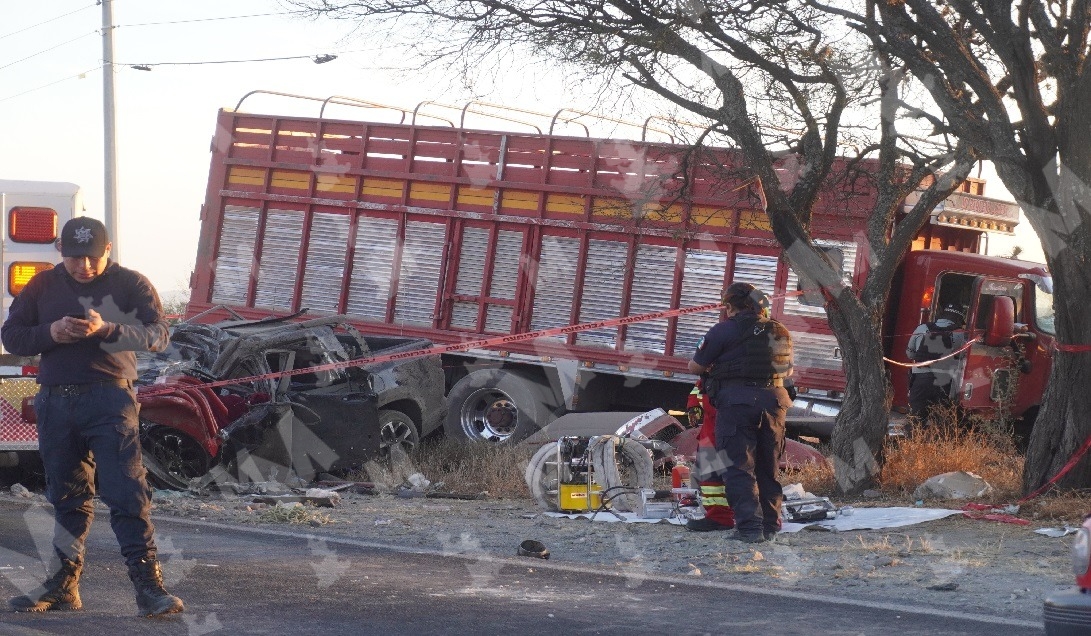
{"type": "Point", "coordinates": [456, 234]}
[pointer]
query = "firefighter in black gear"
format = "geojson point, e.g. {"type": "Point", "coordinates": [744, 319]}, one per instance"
{"type": "Point", "coordinates": [748, 358]}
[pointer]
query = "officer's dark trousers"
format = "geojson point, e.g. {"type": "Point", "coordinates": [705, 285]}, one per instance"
{"type": "Point", "coordinates": [753, 441]}
{"type": "Point", "coordinates": [89, 429]}
{"type": "Point", "coordinates": [925, 390]}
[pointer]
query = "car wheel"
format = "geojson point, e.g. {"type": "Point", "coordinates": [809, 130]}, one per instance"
{"type": "Point", "coordinates": [398, 434]}
{"type": "Point", "coordinates": [498, 406]}
{"type": "Point", "coordinates": [544, 475]}
{"type": "Point", "coordinates": [171, 457]}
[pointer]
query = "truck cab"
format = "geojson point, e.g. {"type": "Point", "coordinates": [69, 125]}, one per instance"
{"type": "Point", "coordinates": [1009, 324]}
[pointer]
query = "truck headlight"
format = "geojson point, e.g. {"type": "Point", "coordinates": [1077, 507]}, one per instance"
{"type": "Point", "coordinates": [1081, 552]}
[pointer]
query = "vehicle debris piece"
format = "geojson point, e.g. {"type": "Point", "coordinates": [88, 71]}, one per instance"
{"type": "Point", "coordinates": [533, 548]}
{"type": "Point", "coordinates": [1057, 533]}
{"type": "Point", "coordinates": [357, 487]}
{"type": "Point", "coordinates": [477, 496]}
{"type": "Point", "coordinates": [290, 500]}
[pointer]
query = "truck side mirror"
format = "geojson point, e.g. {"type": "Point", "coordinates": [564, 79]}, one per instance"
{"type": "Point", "coordinates": [1001, 325]}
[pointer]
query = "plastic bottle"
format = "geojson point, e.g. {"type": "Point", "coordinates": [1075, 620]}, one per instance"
{"type": "Point", "coordinates": [680, 476]}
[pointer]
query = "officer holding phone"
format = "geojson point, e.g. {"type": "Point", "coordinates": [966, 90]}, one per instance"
{"type": "Point", "coordinates": [86, 317]}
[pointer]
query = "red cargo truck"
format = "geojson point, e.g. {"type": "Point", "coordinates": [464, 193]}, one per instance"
{"type": "Point", "coordinates": [455, 234]}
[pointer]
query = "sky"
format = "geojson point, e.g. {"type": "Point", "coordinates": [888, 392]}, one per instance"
{"type": "Point", "coordinates": [51, 103]}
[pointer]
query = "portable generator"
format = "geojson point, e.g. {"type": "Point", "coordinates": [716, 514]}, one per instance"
{"type": "Point", "coordinates": [577, 490]}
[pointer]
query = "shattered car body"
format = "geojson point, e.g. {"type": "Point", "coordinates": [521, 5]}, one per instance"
{"type": "Point", "coordinates": [271, 425]}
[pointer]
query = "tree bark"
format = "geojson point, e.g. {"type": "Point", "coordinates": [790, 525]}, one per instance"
{"type": "Point", "coordinates": [1064, 422]}
{"type": "Point", "coordinates": [861, 425]}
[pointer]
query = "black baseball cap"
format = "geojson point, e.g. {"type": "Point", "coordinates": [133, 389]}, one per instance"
{"type": "Point", "coordinates": [84, 236]}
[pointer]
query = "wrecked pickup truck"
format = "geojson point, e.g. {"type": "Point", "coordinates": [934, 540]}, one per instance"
{"type": "Point", "coordinates": [274, 427]}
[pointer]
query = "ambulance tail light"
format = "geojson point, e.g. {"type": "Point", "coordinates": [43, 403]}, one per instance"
{"type": "Point", "coordinates": [32, 225]}
{"type": "Point", "coordinates": [20, 273]}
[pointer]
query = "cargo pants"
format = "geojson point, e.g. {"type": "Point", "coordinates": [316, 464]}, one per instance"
{"type": "Point", "coordinates": [89, 430]}
{"type": "Point", "coordinates": [750, 433]}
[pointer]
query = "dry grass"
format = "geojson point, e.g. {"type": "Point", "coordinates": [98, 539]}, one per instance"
{"type": "Point", "coordinates": [944, 447]}
{"type": "Point", "coordinates": [1068, 507]}
{"type": "Point", "coordinates": [817, 479]}
{"type": "Point", "coordinates": [474, 468]}
{"type": "Point", "coordinates": [294, 514]}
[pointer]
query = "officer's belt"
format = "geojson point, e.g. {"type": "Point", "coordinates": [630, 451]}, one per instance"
{"type": "Point", "coordinates": [79, 389]}
{"type": "Point", "coordinates": [764, 384]}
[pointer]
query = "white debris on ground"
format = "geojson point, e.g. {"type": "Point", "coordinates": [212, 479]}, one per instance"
{"type": "Point", "coordinates": [953, 485]}
{"type": "Point", "coordinates": [19, 490]}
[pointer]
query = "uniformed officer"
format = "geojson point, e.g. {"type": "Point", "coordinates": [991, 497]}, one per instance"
{"type": "Point", "coordinates": [86, 317]}
{"type": "Point", "coordinates": [933, 384]}
{"type": "Point", "coordinates": [748, 358]}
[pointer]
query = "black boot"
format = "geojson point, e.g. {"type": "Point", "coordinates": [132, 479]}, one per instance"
{"type": "Point", "coordinates": [151, 598]}
{"type": "Point", "coordinates": [59, 592]}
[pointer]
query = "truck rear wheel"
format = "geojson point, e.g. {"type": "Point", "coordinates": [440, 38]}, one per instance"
{"type": "Point", "coordinates": [495, 405]}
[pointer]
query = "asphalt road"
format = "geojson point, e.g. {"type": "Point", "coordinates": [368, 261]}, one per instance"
{"type": "Point", "coordinates": [277, 580]}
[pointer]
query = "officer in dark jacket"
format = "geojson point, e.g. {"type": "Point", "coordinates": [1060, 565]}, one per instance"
{"type": "Point", "coordinates": [86, 317]}
{"type": "Point", "coordinates": [934, 384]}
{"type": "Point", "coordinates": [748, 358]}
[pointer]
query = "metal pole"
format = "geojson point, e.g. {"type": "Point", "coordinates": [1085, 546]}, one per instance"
{"type": "Point", "coordinates": [109, 128]}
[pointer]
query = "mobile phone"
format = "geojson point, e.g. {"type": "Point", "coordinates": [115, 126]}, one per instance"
{"type": "Point", "coordinates": [79, 316]}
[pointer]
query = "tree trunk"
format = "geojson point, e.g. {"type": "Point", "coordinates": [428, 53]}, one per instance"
{"type": "Point", "coordinates": [1065, 419]}
{"type": "Point", "coordinates": [861, 428]}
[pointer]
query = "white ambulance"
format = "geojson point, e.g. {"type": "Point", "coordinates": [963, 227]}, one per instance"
{"type": "Point", "coordinates": [33, 214]}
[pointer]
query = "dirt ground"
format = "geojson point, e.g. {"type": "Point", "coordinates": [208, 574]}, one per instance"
{"type": "Point", "coordinates": [956, 563]}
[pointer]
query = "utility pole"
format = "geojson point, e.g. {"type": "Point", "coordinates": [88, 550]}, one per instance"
{"type": "Point", "coordinates": [109, 129]}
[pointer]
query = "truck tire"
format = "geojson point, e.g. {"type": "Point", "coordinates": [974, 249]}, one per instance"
{"type": "Point", "coordinates": [397, 434]}
{"type": "Point", "coordinates": [622, 467]}
{"type": "Point", "coordinates": [497, 406]}
{"type": "Point", "coordinates": [544, 476]}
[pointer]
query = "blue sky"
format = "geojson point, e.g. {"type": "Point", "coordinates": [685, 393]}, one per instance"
{"type": "Point", "coordinates": [51, 102]}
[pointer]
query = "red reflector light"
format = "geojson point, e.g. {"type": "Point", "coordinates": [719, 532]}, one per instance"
{"type": "Point", "coordinates": [926, 298]}
{"type": "Point", "coordinates": [20, 273]}
{"type": "Point", "coordinates": [32, 225]}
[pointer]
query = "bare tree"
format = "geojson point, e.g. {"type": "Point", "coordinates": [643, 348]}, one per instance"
{"type": "Point", "coordinates": [1012, 80]}
{"type": "Point", "coordinates": [752, 71]}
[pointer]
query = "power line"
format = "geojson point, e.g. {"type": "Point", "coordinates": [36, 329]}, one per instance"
{"type": "Point", "coordinates": [47, 21]}
{"type": "Point", "coordinates": [148, 66]}
{"type": "Point", "coordinates": [229, 17]}
{"type": "Point", "coordinates": [95, 68]}
{"type": "Point", "coordinates": [48, 50]}
{"type": "Point", "coordinates": [319, 58]}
